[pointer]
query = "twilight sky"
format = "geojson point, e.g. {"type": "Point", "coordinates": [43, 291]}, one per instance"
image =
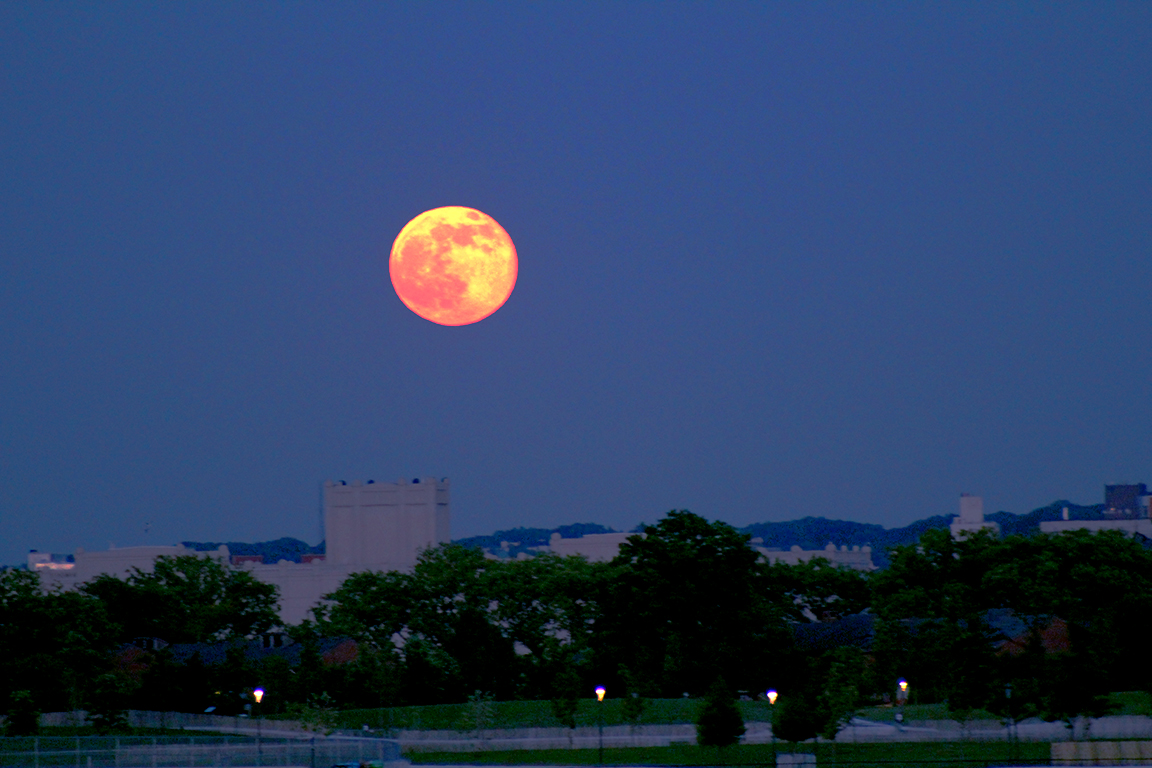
{"type": "Point", "coordinates": [776, 260]}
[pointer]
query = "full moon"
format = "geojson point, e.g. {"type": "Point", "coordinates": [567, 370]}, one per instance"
{"type": "Point", "coordinates": [453, 265]}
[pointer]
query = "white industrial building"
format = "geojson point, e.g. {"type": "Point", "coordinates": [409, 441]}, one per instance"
{"type": "Point", "coordinates": [1127, 508]}
{"type": "Point", "coordinates": [601, 547]}
{"type": "Point", "coordinates": [367, 527]}
{"type": "Point", "coordinates": [857, 557]}
{"type": "Point", "coordinates": [971, 518]}
{"type": "Point", "coordinates": [597, 547]}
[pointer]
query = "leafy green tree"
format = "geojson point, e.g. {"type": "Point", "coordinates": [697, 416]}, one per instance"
{"type": "Point", "coordinates": [480, 714]}
{"type": "Point", "coordinates": [634, 704]}
{"type": "Point", "coordinates": [52, 644]}
{"type": "Point", "coordinates": [107, 704]}
{"type": "Point", "coordinates": [684, 604]}
{"type": "Point", "coordinates": [188, 599]}
{"type": "Point", "coordinates": [546, 606]}
{"type": "Point", "coordinates": [566, 698]}
{"type": "Point", "coordinates": [719, 723]}
{"type": "Point", "coordinates": [318, 714]}
{"type": "Point", "coordinates": [23, 717]}
{"type": "Point", "coordinates": [841, 695]}
{"type": "Point", "coordinates": [816, 590]}
{"type": "Point", "coordinates": [1099, 583]}
{"type": "Point", "coordinates": [796, 718]}
{"type": "Point", "coordinates": [451, 630]}
{"type": "Point", "coordinates": [461, 619]}
{"type": "Point", "coordinates": [372, 607]}
{"type": "Point", "coordinates": [931, 605]}
{"type": "Point", "coordinates": [372, 680]}
{"type": "Point", "coordinates": [1069, 691]}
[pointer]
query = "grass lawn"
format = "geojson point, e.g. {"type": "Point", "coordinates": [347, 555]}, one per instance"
{"type": "Point", "coordinates": [538, 714]}
{"type": "Point", "coordinates": [1124, 703]}
{"type": "Point", "coordinates": [530, 714]}
{"type": "Point", "coordinates": [527, 714]}
{"type": "Point", "coordinates": [880, 755]}
{"type": "Point", "coordinates": [1132, 703]}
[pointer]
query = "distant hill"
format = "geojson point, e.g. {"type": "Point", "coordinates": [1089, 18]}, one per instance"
{"type": "Point", "coordinates": [816, 532]}
{"type": "Point", "coordinates": [286, 548]}
{"type": "Point", "coordinates": [519, 539]}
{"type": "Point", "coordinates": [808, 533]}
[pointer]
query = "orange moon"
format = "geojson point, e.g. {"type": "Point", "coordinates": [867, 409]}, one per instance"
{"type": "Point", "coordinates": [453, 265]}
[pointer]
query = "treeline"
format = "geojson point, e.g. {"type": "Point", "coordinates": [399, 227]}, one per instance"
{"type": "Point", "coordinates": [680, 608]}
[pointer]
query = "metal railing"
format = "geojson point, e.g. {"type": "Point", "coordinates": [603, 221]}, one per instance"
{"type": "Point", "coordinates": [192, 751]}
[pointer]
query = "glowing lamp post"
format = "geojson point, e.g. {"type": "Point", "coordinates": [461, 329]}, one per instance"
{"type": "Point", "coordinates": [600, 691]}
{"type": "Point", "coordinates": [772, 700]}
{"type": "Point", "coordinates": [258, 694]}
{"type": "Point", "coordinates": [901, 698]}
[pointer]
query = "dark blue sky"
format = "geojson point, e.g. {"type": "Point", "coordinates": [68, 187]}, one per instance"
{"type": "Point", "coordinates": [776, 260]}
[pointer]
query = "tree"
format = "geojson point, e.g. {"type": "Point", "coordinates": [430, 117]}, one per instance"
{"type": "Point", "coordinates": [52, 644]}
{"type": "Point", "coordinates": [634, 704]}
{"type": "Point", "coordinates": [841, 694]}
{"type": "Point", "coordinates": [566, 699]}
{"type": "Point", "coordinates": [1098, 583]}
{"type": "Point", "coordinates": [451, 630]}
{"type": "Point", "coordinates": [683, 604]}
{"type": "Point", "coordinates": [546, 606]}
{"type": "Point", "coordinates": [372, 607]}
{"type": "Point", "coordinates": [816, 590]}
{"type": "Point", "coordinates": [107, 704]}
{"type": "Point", "coordinates": [719, 724]}
{"type": "Point", "coordinates": [796, 718]}
{"type": "Point", "coordinates": [480, 714]}
{"type": "Point", "coordinates": [317, 715]}
{"type": "Point", "coordinates": [931, 604]}
{"type": "Point", "coordinates": [23, 715]}
{"type": "Point", "coordinates": [1070, 690]}
{"type": "Point", "coordinates": [188, 599]}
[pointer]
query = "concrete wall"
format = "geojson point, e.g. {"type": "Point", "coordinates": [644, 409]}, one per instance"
{"type": "Point", "coordinates": [384, 526]}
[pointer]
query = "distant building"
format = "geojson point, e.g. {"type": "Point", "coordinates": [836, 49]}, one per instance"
{"type": "Point", "coordinates": [597, 547]}
{"type": "Point", "coordinates": [367, 526]}
{"type": "Point", "coordinates": [384, 525]}
{"type": "Point", "coordinates": [856, 557]}
{"type": "Point", "coordinates": [601, 547]}
{"type": "Point", "coordinates": [1126, 501]}
{"type": "Point", "coordinates": [1126, 509]}
{"type": "Point", "coordinates": [43, 561]}
{"type": "Point", "coordinates": [116, 561]}
{"type": "Point", "coordinates": [241, 559]}
{"type": "Point", "coordinates": [971, 518]}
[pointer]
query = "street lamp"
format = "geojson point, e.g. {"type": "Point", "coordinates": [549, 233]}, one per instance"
{"type": "Point", "coordinates": [258, 695]}
{"type": "Point", "coordinates": [772, 700]}
{"type": "Point", "coordinates": [600, 691]}
{"type": "Point", "coordinates": [901, 698]}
